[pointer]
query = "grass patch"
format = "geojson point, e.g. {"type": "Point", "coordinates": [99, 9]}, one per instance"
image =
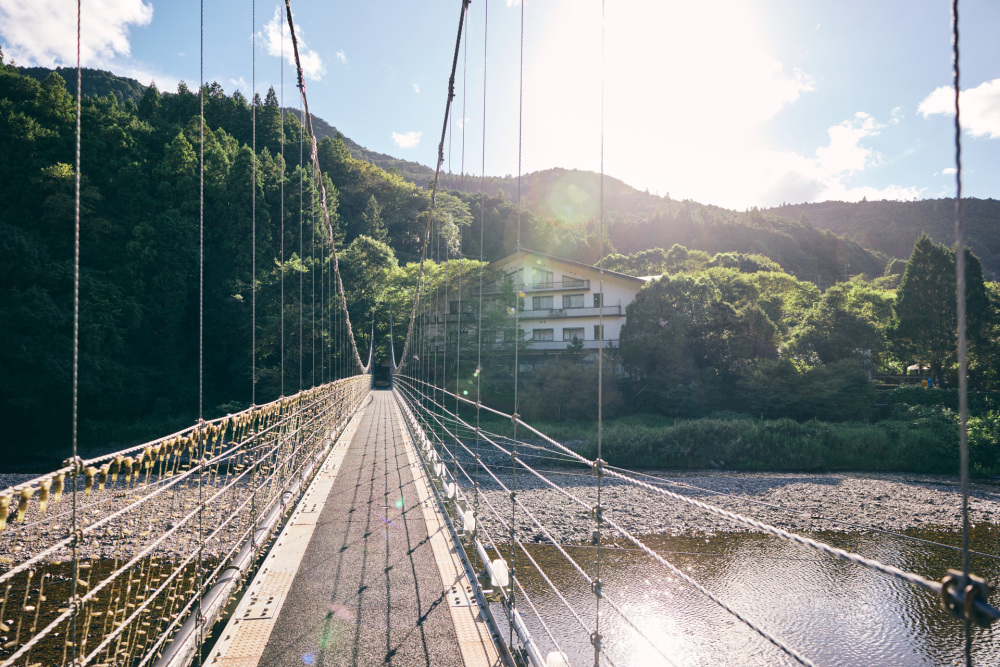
{"type": "Point", "coordinates": [919, 439]}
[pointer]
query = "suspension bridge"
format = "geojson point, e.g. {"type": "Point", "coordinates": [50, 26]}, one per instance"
{"type": "Point", "coordinates": [349, 525]}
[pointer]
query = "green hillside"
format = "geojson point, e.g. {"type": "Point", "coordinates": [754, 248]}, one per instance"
{"type": "Point", "coordinates": [563, 204]}
{"type": "Point", "coordinates": [892, 227]}
{"type": "Point", "coordinates": [95, 82]}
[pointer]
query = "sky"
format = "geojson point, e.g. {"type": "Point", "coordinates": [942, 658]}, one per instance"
{"type": "Point", "coordinates": [737, 104]}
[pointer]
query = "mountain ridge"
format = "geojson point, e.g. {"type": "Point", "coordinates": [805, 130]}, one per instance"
{"type": "Point", "coordinates": [885, 228]}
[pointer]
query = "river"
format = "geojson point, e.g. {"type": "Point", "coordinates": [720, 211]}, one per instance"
{"type": "Point", "coordinates": [832, 612]}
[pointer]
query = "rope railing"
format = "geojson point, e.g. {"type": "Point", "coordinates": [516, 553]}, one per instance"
{"type": "Point", "coordinates": [959, 598]}
{"type": "Point", "coordinates": [158, 525]}
{"type": "Point", "coordinates": [508, 528]}
{"type": "Point", "coordinates": [593, 582]}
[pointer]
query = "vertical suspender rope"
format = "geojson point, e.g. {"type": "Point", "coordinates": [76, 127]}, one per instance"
{"type": "Point", "coordinates": [201, 283]}
{"type": "Point", "coordinates": [312, 275]}
{"type": "Point", "coordinates": [517, 333]}
{"type": "Point", "coordinates": [479, 328]}
{"type": "Point", "coordinates": [284, 169]}
{"type": "Point", "coordinates": [253, 207]}
{"type": "Point", "coordinates": [76, 330]}
{"type": "Point", "coordinates": [322, 310]}
{"type": "Point", "coordinates": [963, 366]}
{"type": "Point", "coordinates": [302, 127]}
{"type": "Point", "coordinates": [596, 639]}
{"type": "Point", "coordinates": [458, 325]}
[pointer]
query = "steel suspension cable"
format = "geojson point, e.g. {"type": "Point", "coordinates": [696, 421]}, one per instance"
{"type": "Point", "coordinates": [963, 364]}
{"type": "Point", "coordinates": [318, 177]}
{"type": "Point", "coordinates": [76, 329]}
{"type": "Point", "coordinates": [302, 127]}
{"type": "Point", "coordinates": [981, 606]}
{"type": "Point", "coordinates": [861, 526]}
{"type": "Point", "coordinates": [284, 169]}
{"type": "Point", "coordinates": [482, 225]}
{"type": "Point", "coordinates": [517, 309]}
{"type": "Point", "coordinates": [201, 271]}
{"type": "Point", "coordinates": [253, 206]}
{"type": "Point", "coordinates": [596, 639]}
{"type": "Point", "coordinates": [314, 157]}
{"type": "Point", "coordinates": [434, 186]}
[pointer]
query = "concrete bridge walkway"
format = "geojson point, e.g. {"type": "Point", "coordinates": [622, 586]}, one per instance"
{"type": "Point", "coordinates": [365, 572]}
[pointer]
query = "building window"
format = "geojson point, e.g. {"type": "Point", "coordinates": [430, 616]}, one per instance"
{"type": "Point", "coordinates": [598, 331]}
{"type": "Point", "coordinates": [541, 302]}
{"type": "Point", "coordinates": [570, 334]}
{"type": "Point", "coordinates": [570, 281]}
{"type": "Point", "coordinates": [542, 334]}
{"type": "Point", "coordinates": [572, 301]}
{"type": "Point", "coordinates": [597, 299]}
{"type": "Point", "coordinates": [541, 278]}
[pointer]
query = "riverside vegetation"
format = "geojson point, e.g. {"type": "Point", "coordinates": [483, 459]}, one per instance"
{"type": "Point", "coordinates": [755, 349]}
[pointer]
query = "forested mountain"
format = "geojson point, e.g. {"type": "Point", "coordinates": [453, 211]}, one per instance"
{"type": "Point", "coordinates": [139, 254]}
{"type": "Point", "coordinates": [414, 172]}
{"type": "Point", "coordinates": [564, 205]}
{"type": "Point", "coordinates": [140, 247]}
{"type": "Point", "coordinates": [892, 227]}
{"type": "Point", "coordinates": [95, 82]}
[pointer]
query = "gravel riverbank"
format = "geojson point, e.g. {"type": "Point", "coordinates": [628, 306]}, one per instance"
{"type": "Point", "coordinates": [811, 501]}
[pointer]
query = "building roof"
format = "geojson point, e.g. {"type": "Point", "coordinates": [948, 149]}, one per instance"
{"type": "Point", "coordinates": [571, 262]}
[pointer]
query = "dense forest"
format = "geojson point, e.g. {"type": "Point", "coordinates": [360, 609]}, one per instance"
{"type": "Point", "coordinates": [892, 227]}
{"type": "Point", "coordinates": [768, 315]}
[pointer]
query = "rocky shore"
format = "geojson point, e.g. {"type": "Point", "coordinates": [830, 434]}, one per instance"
{"type": "Point", "coordinates": [800, 502]}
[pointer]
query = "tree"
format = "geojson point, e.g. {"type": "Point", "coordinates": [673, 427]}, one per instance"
{"type": "Point", "coordinates": [687, 344]}
{"type": "Point", "coordinates": [925, 320]}
{"type": "Point", "coordinates": [269, 123]}
{"type": "Point", "coordinates": [374, 227]}
{"type": "Point", "coordinates": [839, 326]}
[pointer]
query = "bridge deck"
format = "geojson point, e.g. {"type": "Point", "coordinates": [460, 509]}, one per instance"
{"type": "Point", "coordinates": [374, 572]}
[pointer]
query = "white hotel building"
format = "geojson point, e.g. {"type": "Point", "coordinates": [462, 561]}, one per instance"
{"type": "Point", "coordinates": [563, 300]}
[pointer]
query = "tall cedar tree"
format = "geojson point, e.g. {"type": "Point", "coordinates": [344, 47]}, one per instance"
{"type": "Point", "coordinates": [925, 319]}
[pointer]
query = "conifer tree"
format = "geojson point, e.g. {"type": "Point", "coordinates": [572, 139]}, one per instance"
{"type": "Point", "coordinates": [374, 226]}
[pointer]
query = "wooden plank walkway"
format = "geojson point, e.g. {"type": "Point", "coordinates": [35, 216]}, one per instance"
{"type": "Point", "coordinates": [362, 573]}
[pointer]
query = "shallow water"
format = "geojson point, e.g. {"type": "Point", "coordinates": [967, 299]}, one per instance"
{"type": "Point", "coordinates": [833, 613]}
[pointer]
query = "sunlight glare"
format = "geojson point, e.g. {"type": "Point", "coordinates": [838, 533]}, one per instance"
{"type": "Point", "coordinates": [688, 88]}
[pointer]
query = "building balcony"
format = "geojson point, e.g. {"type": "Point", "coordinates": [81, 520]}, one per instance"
{"type": "Point", "coordinates": [547, 345]}
{"type": "Point", "coordinates": [582, 284]}
{"type": "Point", "coordinates": [533, 288]}
{"type": "Point", "coordinates": [549, 313]}
{"type": "Point", "coordinates": [541, 314]}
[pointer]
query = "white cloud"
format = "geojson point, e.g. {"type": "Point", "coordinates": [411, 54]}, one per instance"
{"type": "Point", "coordinates": [240, 84]}
{"type": "Point", "coordinates": [948, 171]}
{"type": "Point", "coordinates": [43, 32]}
{"type": "Point", "coordinates": [789, 177]}
{"type": "Point", "coordinates": [342, 57]}
{"type": "Point", "coordinates": [513, 3]}
{"type": "Point", "coordinates": [845, 154]}
{"type": "Point", "coordinates": [416, 88]}
{"type": "Point", "coordinates": [461, 122]}
{"type": "Point", "coordinates": [407, 139]}
{"type": "Point", "coordinates": [897, 115]}
{"type": "Point", "coordinates": [980, 107]}
{"type": "Point", "coordinates": [271, 37]}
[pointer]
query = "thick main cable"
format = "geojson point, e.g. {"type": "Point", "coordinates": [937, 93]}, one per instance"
{"type": "Point", "coordinates": [405, 356]}
{"type": "Point", "coordinates": [314, 156]}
